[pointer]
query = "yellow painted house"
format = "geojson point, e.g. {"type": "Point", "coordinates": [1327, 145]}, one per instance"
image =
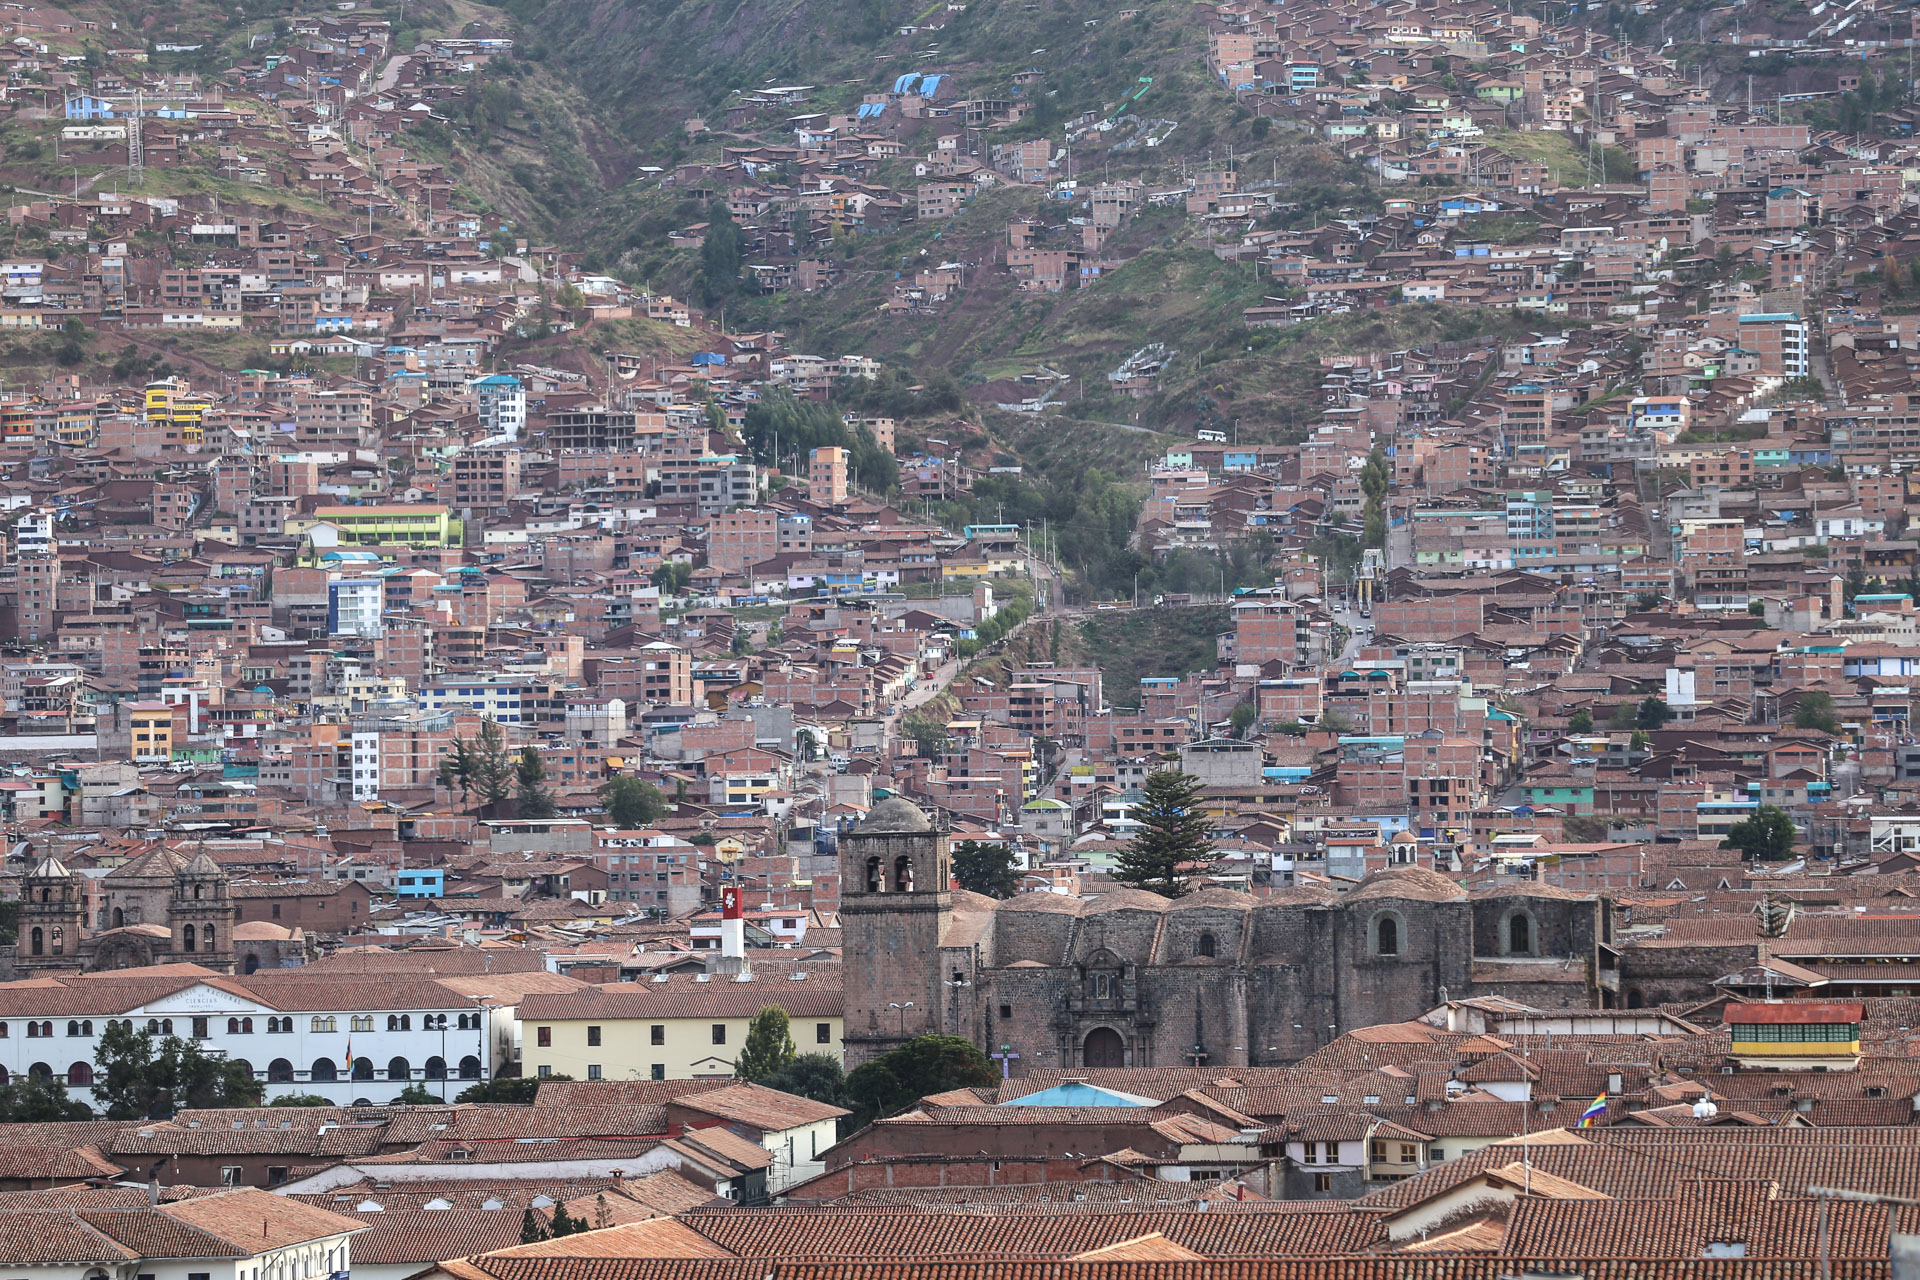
{"type": "Point", "coordinates": [1795, 1034]}
{"type": "Point", "coordinates": [677, 1026]}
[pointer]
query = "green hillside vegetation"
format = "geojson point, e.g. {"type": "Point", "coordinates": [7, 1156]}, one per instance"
{"type": "Point", "coordinates": [1134, 643]}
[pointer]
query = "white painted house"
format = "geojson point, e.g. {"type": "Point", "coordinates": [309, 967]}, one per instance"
{"type": "Point", "coordinates": [231, 1235]}
{"type": "Point", "coordinates": [350, 1039]}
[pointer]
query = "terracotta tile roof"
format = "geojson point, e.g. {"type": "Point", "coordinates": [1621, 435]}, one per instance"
{"type": "Point", "coordinates": [95, 1197]}
{"type": "Point", "coordinates": [508, 1123]}
{"type": "Point", "coordinates": [1401, 1266]}
{"type": "Point", "coordinates": [74, 998]}
{"type": "Point", "coordinates": [1265, 1230]}
{"type": "Point", "coordinates": [598, 1093]}
{"type": "Point", "coordinates": [150, 1233]}
{"type": "Point", "coordinates": [1605, 1168]}
{"type": "Point", "coordinates": [282, 1221]}
{"type": "Point", "coordinates": [1152, 1247]}
{"type": "Point", "coordinates": [656, 1238]}
{"type": "Point", "coordinates": [433, 961]}
{"type": "Point", "coordinates": [1059, 1196]}
{"type": "Point", "coordinates": [1748, 1214]}
{"type": "Point", "coordinates": [760, 1107]}
{"type": "Point", "coordinates": [742, 1153]}
{"type": "Point", "coordinates": [28, 1239]}
{"type": "Point", "coordinates": [426, 1236]}
{"type": "Point", "coordinates": [683, 996]}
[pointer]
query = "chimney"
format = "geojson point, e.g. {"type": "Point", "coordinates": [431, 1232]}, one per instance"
{"type": "Point", "coordinates": [153, 1189]}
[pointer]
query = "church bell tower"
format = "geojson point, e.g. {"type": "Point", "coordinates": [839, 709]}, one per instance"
{"type": "Point", "coordinates": [895, 901]}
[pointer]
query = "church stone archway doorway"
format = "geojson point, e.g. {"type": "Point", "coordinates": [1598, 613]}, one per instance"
{"type": "Point", "coordinates": [1103, 1047]}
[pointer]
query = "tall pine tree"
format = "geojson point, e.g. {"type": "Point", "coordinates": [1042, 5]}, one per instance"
{"type": "Point", "coordinates": [1174, 837]}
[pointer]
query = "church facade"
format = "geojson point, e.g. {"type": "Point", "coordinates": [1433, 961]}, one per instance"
{"type": "Point", "coordinates": [1132, 979]}
{"type": "Point", "coordinates": [165, 906]}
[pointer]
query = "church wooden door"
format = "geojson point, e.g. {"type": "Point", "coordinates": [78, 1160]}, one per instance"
{"type": "Point", "coordinates": [1103, 1048]}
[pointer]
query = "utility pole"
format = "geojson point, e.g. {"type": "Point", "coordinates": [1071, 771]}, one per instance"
{"type": "Point", "coordinates": [136, 157]}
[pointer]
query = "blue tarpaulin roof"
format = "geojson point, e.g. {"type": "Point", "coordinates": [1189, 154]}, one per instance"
{"type": "Point", "coordinates": [707, 357]}
{"type": "Point", "coordinates": [901, 84]}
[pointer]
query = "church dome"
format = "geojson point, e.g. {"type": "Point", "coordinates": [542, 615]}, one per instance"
{"type": "Point", "coordinates": [895, 815]}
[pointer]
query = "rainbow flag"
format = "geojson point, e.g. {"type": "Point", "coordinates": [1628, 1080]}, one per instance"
{"type": "Point", "coordinates": [349, 1053]}
{"type": "Point", "coordinates": [1594, 1112]}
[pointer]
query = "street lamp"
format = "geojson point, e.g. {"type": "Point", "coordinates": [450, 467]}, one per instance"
{"type": "Point", "coordinates": [486, 1032]}
{"type": "Point", "coordinates": [955, 985]}
{"type": "Point", "coordinates": [903, 1015]}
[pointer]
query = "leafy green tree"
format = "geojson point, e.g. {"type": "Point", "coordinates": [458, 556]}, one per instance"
{"type": "Point", "coordinates": [720, 255]}
{"type": "Point", "coordinates": [1815, 711]}
{"type": "Point", "coordinates": [632, 802]}
{"type": "Point", "coordinates": [32, 1099]}
{"type": "Point", "coordinates": [1373, 531]}
{"type": "Point", "coordinates": [1622, 717]}
{"type": "Point", "coordinates": [780, 427]}
{"type": "Point", "coordinates": [812, 1075]}
{"type": "Point", "coordinates": [923, 1065]}
{"type": "Point", "coordinates": [300, 1100]}
{"type": "Point", "coordinates": [929, 735]}
{"type": "Point", "coordinates": [532, 799]}
{"type": "Point", "coordinates": [768, 1048]}
{"type": "Point", "coordinates": [1768, 836]}
{"type": "Point", "coordinates": [1242, 718]}
{"type": "Point", "coordinates": [1174, 836]}
{"type": "Point", "coordinates": [1374, 479]}
{"type": "Point", "coordinates": [137, 1079]}
{"type": "Point", "coordinates": [521, 1089]}
{"type": "Point", "coordinates": [985, 868]}
{"type": "Point", "coordinates": [1581, 721]}
{"type": "Point", "coordinates": [672, 577]}
{"type": "Point", "coordinates": [416, 1095]}
{"type": "Point", "coordinates": [532, 1229]}
{"type": "Point", "coordinates": [1653, 713]}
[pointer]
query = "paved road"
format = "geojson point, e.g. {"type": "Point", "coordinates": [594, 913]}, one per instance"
{"type": "Point", "coordinates": [926, 691]}
{"type": "Point", "coordinates": [391, 75]}
{"type": "Point", "coordinates": [1355, 625]}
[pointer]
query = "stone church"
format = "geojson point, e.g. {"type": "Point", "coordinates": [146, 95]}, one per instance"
{"type": "Point", "coordinates": [166, 906]}
{"type": "Point", "coordinates": [1132, 979]}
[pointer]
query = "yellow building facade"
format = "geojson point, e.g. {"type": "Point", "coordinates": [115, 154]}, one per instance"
{"type": "Point", "coordinates": [689, 1026]}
